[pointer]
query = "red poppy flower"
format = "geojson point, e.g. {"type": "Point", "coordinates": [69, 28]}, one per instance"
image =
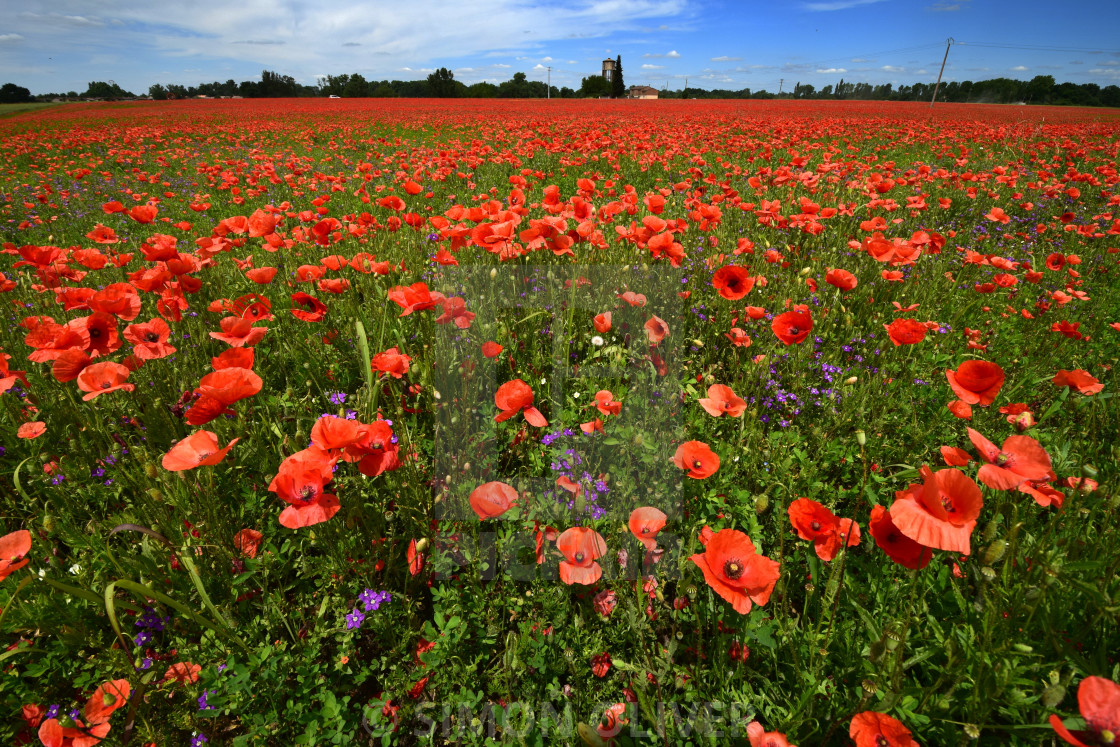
{"type": "Point", "coordinates": [601, 664]}
{"type": "Point", "coordinates": [697, 458]}
{"type": "Point", "coordinates": [955, 457]}
{"type": "Point", "coordinates": [565, 483]}
{"type": "Point", "coordinates": [976, 382]}
{"type": "Point", "coordinates": [514, 397]}
{"type": "Point", "coordinates": [581, 547]}
{"type": "Point", "coordinates": [13, 548]}
{"type": "Point", "coordinates": [239, 332]}
{"type": "Point", "coordinates": [732, 282]}
{"type": "Point", "coordinates": [1099, 702]}
{"type": "Point", "coordinates": [792, 327]}
{"type": "Point", "coordinates": [149, 340]}
{"type": "Point", "coordinates": [645, 523]}
{"type": "Point", "coordinates": [1043, 493]}
{"type": "Point", "coordinates": [300, 482]}
{"type": "Point", "coordinates": [102, 378]}
{"type": "Point", "coordinates": [656, 330]}
{"type": "Point", "coordinates": [312, 309]}
{"type": "Point", "coordinates": [391, 362]}
{"type": "Point", "coordinates": [1078, 379]}
{"type": "Point", "coordinates": [455, 310]}
{"type": "Point", "coordinates": [738, 338]}
{"type": "Point", "coordinates": [119, 299]}
{"type": "Point", "coordinates": [632, 298]}
{"type": "Point", "coordinates": [755, 312]}
{"type": "Point", "coordinates": [603, 323]}
{"type": "Point", "coordinates": [182, 673]}
{"type": "Point", "coordinates": [374, 451]}
{"type": "Point", "coordinates": [248, 542]}
{"type": "Point", "coordinates": [102, 330]}
{"type": "Point", "coordinates": [841, 279]}
{"type": "Point", "coordinates": [31, 430]}
{"type": "Point", "coordinates": [906, 331]}
{"type": "Point", "coordinates": [900, 548]}
{"type": "Point", "coordinates": [592, 426]}
{"type": "Point", "coordinates": [491, 349]}
{"type": "Point", "coordinates": [824, 529]}
{"type": "Point", "coordinates": [261, 275]}
{"type": "Point", "coordinates": [736, 571]}
{"type": "Point", "coordinates": [1020, 459]}
{"type": "Point", "coordinates": [492, 499]}
{"type": "Point", "coordinates": [604, 402]}
{"type": "Point", "coordinates": [233, 358]}
{"type": "Point", "coordinates": [871, 729]}
{"type": "Point", "coordinates": [198, 449]}
{"type": "Point", "coordinates": [332, 432]}
{"type": "Point", "coordinates": [8, 377]}
{"type": "Point", "coordinates": [759, 737]}
{"type": "Point", "coordinates": [415, 297]}
{"type": "Point", "coordinates": [108, 697]}
{"type": "Point", "coordinates": [941, 512]}
{"type": "Point", "coordinates": [721, 399]}
{"type": "Point", "coordinates": [960, 409]}
{"type": "Point", "coordinates": [230, 385]}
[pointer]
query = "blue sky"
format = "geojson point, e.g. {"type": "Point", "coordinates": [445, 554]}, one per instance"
{"type": "Point", "coordinates": [62, 45]}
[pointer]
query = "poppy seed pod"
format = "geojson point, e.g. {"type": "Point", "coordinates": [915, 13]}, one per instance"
{"type": "Point", "coordinates": [861, 438]}
{"type": "Point", "coordinates": [1053, 695]}
{"type": "Point", "coordinates": [994, 552]}
{"type": "Point", "coordinates": [1089, 471]}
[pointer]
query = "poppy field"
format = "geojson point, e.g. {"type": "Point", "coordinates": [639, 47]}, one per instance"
{"type": "Point", "coordinates": [566, 422]}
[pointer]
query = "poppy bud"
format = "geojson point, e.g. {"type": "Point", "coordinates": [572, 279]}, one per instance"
{"type": "Point", "coordinates": [851, 380]}
{"type": "Point", "coordinates": [151, 471]}
{"type": "Point", "coordinates": [990, 530]}
{"type": "Point", "coordinates": [48, 522]}
{"type": "Point", "coordinates": [155, 494]}
{"type": "Point", "coordinates": [1053, 695]}
{"type": "Point", "coordinates": [466, 466]}
{"type": "Point", "coordinates": [493, 273]}
{"type": "Point", "coordinates": [805, 271]}
{"type": "Point", "coordinates": [861, 438]}
{"type": "Point", "coordinates": [994, 552]}
{"type": "Point", "coordinates": [421, 544]}
{"type": "Point", "coordinates": [761, 503]}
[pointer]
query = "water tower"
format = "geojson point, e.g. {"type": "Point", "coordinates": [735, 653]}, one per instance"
{"type": "Point", "coordinates": [608, 70]}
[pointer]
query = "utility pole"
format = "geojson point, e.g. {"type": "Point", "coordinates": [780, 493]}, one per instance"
{"type": "Point", "coordinates": [684, 93]}
{"type": "Point", "coordinates": [948, 43]}
{"type": "Point", "coordinates": [781, 82]}
{"type": "Point", "coordinates": [548, 91]}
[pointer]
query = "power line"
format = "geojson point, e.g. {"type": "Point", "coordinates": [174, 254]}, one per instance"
{"type": "Point", "coordinates": [1038, 48]}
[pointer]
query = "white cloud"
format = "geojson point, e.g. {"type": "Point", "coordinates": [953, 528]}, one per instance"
{"type": "Point", "coordinates": [832, 70]}
{"type": "Point", "coordinates": [546, 59]}
{"type": "Point", "coordinates": [892, 69]}
{"type": "Point", "coordinates": [1020, 68]}
{"type": "Point", "coordinates": [652, 67]}
{"type": "Point", "coordinates": [858, 59]}
{"type": "Point", "coordinates": [651, 55]}
{"type": "Point", "coordinates": [673, 53]}
{"type": "Point", "coordinates": [839, 4]}
{"type": "Point", "coordinates": [725, 58]}
{"type": "Point", "coordinates": [10, 38]}
{"type": "Point", "coordinates": [212, 34]}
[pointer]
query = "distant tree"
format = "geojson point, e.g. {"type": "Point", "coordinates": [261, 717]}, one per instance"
{"type": "Point", "coordinates": [356, 87]}
{"type": "Point", "coordinates": [10, 93]}
{"type": "Point", "coordinates": [99, 89]}
{"type": "Point", "coordinates": [595, 86]}
{"type": "Point", "coordinates": [1039, 89]}
{"type": "Point", "coordinates": [482, 90]}
{"type": "Point", "coordinates": [567, 93]}
{"type": "Point", "coordinates": [516, 87]}
{"type": "Point", "coordinates": [618, 88]}
{"type": "Point", "coordinates": [157, 91]}
{"type": "Point", "coordinates": [442, 83]}
{"type": "Point", "coordinates": [275, 85]}
{"type": "Point", "coordinates": [384, 91]}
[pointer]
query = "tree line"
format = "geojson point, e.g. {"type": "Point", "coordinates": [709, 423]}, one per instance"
{"type": "Point", "coordinates": [1042, 89]}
